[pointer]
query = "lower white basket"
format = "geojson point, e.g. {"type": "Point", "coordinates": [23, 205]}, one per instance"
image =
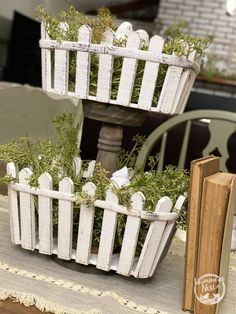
{"type": "Point", "coordinates": [31, 235]}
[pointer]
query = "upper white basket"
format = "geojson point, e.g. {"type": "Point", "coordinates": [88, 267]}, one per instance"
{"type": "Point", "coordinates": [177, 84]}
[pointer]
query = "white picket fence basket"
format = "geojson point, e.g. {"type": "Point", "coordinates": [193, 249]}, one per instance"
{"type": "Point", "coordinates": [177, 85]}
{"type": "Point", "coordinates": [31, 235]}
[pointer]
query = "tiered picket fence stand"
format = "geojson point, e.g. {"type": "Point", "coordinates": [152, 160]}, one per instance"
{"type": "Point", "coordinates": [115, 113]}
{"type": "Point", "coordinates": [178, 81]}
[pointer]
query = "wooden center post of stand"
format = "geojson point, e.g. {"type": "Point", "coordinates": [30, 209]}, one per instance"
{"type": "Point", "coordinates": [114, 117]}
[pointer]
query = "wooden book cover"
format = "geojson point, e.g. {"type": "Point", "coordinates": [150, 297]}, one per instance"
{"type": "Point", "coordinates": [209, 287]}
{"type": "Point", "coordinates": [200, 169]}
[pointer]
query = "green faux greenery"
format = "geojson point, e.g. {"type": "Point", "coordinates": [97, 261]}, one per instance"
{"type": "Point", "coordinates": [177, 42]}
{"type": "Point", "coordinates": [57, 159]}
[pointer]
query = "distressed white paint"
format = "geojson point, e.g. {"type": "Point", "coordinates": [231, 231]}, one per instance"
{"type": "Point", "coordinates": [169, 89]}
{"type": "Point", "coordinates": [78, 165]}
{"type": "Point", "coordinates": [150, 75]}
{"type": "Point", "coordinates": [128, 71]}
{"type": "Point", "coordinates": [61, 72]}
{"type": "Point", "coordinates": [152, 240]}
{"type": "Point", "coordinates": [85, 232]}
{"type": "Point", "coordinates": [27, 213]}
{"type": "Point", "coordinates": [131, 54]}
{"type": "Point", "coordinates": [45, 224]}
{"type": "Point", "coordinates": [83, 64]}
{"type": "Point", "coordinates": [13, 206]}
{"type": "Point", "coordinates": [167, 233]}
{"type": "Point", "coordinates": [46, 62]}
{"type": "Point", "coordinates": [65, 221]}
{"type": "Point", "coordinates": [89, 172]}
{"type": "Point", "coordinates": [184, 88]}
{"type": "Point", "coordinates": [105, 70]}
{"type": "Point", "coordinates": [130, 237]}
{"type": "Point", "coordinates": [107, 234]}
{"type": "Point", "coordinates": [162, 222]}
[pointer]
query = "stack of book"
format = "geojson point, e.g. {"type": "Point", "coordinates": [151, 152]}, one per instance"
{"type": "Point", "coordinates": [212, 199]}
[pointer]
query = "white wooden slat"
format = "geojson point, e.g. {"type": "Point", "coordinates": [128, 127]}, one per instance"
{"type": "Point", "coordinates": [81, 125]}
{"type": "Point", "coordinates": [13, 206]}
{"type": "Point", "coordinates": [152, 240]}
{"type": "Point", "coordinates": [85, 232]}
{"type": "Point", "coordinates": [123, 30]}
{"type": "Point", "coordinates": [166, 235]}
{"type": "Point", "coordinates": [46, 62]}
{"type": "Point", "coordinates": [122, 52]}
{"type": "Point", "coordinates": [89, 172]}
{"type": "Point", "coordinates": [128, 72]}
{"type": "Point", "coordinates": [150, 75]}
{"type": "Point", "coordinates": [27, 213]}
{"type": "Point", "coordinates": [143, 35]}
{"type": "Point", "coordinates": [78, 165]}
{"type": "Point", "coordinates": [105, 70]}
{"type": "Point", "coordinates": [45, 226]}
{"type": "Point", "coordinates": [185, 95]}
{"type": "Point", "coordinates": [187, 90]}
{"type": "Point", "coordinates": [169, 89]}
{"type": "Point", "coordinates": [61, 71]}
{"type": "Point", "coordinates": [183, 84]}
{"type": "Point", "coordinates": [130, 237]}
{"type": "Point", "coordinates": [83, 64]}
{"type": "Point", "coordinates": [65, 221]}
{"type": "Point", "coordinates": [108, 231]}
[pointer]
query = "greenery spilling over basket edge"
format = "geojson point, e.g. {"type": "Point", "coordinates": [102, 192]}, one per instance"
{"type": "Point", "coordinates": [57, 158]}
{"type": "Point", "coordinates": [176, 41]}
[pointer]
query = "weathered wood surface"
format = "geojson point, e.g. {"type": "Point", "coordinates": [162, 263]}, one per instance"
{"type": "Point", "coordinates": [45, 216]}
{"type": "Point", "coordinates": [23, 225]}
{"type": "Point", "coordinates": [178, 81]}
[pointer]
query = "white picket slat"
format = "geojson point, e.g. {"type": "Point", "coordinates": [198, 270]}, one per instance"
{"type": "Point", "coordinates": [187, 90]}
{"type": "Point", "coordinates": [61, 71]}
{"type": "Point", "coordinates": [27, 213]}
{"type": "Point", "coordinates": [170, 225]}
{"type": "Point", "coordinates": [108, 231]}
{"type": "Point", "coordinates": [143, 35]}
{"type": "Point", "coordinates": [169, 89]}
{"type": "Point", "coordinates": [128, 72]}
{"type": "Point", "coordinates": [152, 240]}
{"type": "Point", "coordinates": [185, 77]}
{"type": "Point", "coordinates": [46, 62]}
{"type": "Point", "coordinates": [83, 64]}
{"type": "Point", "coordinates": [89, 172]}
{"type": "Point", "coordinates": [13, 206]}
{"type": "Point", "coordinates": [65, 221]}
{"type": "Point", "coordinates": [130, 236]}
{"type": "Point", "coordinates": [78, 165]}
{"type": "Point", "coordinates": [105, 70]}
{"type": "Point", "coordinates": [150, 75]}
{"type": "Point", "coordinates": [45, 226]}
{"type": "Point", "coordinates": [85, 232]}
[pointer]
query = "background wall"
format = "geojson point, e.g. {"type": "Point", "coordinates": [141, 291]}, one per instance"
{"type": "Point", "coordinates": [206, 17]}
